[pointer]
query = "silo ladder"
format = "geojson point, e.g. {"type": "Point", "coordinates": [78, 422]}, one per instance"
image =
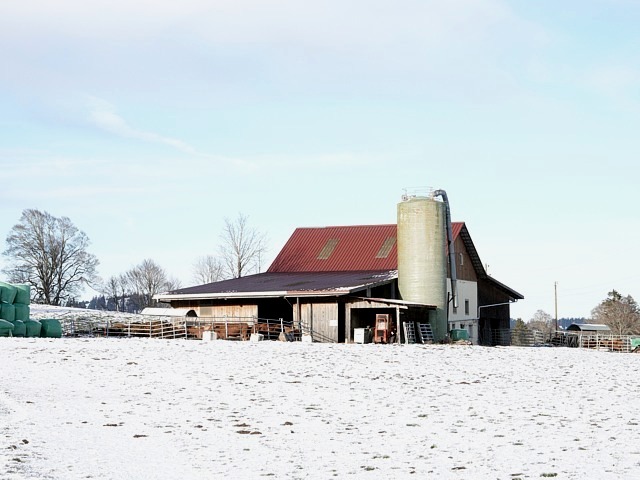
{"type": "Point", "coordinates": [409, 332]}
{"type": "Point", "coordinates": [426, 334]}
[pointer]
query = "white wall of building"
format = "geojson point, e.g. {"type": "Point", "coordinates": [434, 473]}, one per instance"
{"type": "Point", "coordinates": [464, 317]}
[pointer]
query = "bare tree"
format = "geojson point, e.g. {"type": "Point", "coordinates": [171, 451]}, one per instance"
{"type": "Point", "coordinates": [242, 247]}
{"type": "Point", "coordinates": [172, 283]}
{"type": "Point", "coordinates": [112, 289]}
{"type": "Point", "coordinates": [117, 290]}
{"type": "Point", "coordinates": [49, 254]}
{"type": "Point", "coordinates": [542, 322]}
{"type": "Point", "coordinates": [207, 269]}
{"type": "Point", "coordinates": [620, 313]}
{"type": "Point", "coordinates": [146, 280]}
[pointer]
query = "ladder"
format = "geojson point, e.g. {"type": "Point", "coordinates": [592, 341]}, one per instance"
{"type": "Point", "coordinates": [426, 334]}
{"type": "Point", "coordinates": [409, 332]}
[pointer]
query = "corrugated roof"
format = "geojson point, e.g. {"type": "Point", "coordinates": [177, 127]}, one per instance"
{"type": "Point", "coordinates": [283, 284]}
{"type": "Point", "coordinates": [589, 327]}
{"type": "Point", "coordinates": [345, 248]}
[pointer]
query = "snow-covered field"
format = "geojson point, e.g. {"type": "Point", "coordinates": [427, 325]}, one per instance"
{"type": "Point", "coordinates": [107, 408]}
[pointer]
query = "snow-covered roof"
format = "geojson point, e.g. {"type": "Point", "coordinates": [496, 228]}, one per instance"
{"type": "Point", "coordinates": [169, 312]}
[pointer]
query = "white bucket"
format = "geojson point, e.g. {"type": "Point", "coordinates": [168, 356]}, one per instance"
{"type": "Point", "coordinates": [209, 335]}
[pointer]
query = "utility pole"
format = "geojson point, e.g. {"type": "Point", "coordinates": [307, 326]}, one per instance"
{"type": "Point", "coordinates": [555, 290]}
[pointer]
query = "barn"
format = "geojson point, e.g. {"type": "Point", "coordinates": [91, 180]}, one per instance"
{"type": "Point", "coordinates": [332, 282]}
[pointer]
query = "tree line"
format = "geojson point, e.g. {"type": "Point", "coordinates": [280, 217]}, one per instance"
{"type": "Point", "coordinates": [52, 256]}
{"type": "Point", "coordinates": [619, 312]}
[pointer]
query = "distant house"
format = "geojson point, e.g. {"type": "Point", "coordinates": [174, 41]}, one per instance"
{"type": "Point", "coordinates": [333, 280]}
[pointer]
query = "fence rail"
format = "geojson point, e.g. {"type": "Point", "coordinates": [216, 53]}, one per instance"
{"type": "Point", "coordinates": [227, 328]}
{"type": "Point", "coordinates": [612, 343]}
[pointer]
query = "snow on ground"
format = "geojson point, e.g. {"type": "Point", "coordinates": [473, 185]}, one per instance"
{"type": "Point", "coordinates": [114, 408]}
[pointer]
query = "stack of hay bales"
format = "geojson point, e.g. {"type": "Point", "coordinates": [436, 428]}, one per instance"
{"type": "Point", "coordinates": [15, 310]}
{"type": "Point", "coordinates": [8, 294]}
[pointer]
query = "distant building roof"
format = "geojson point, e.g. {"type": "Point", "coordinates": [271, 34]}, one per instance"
{"type": "Point", "coordinates": [588, 327]}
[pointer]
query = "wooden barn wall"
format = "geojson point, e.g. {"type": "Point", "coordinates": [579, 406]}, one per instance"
{"type": "Point", "coordinates": [321, 318]}
{"type": "Point", "coordinates": [500, 314]}
{"type": "Point", "coordinates": [208, 309]}
{"type": "Point", "coordinates": [464, 267]}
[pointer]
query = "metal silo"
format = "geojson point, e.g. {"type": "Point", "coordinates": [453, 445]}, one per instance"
{"type": "Point", "coordinates": [422, 266]}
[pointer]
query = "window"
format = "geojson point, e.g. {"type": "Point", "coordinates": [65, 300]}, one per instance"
{"type": "Point", "coordinates": [466, 307]}
{"type": "Point", "coordinates": [386, 247]}
{"type": "Point", "coordinates": [328, 249]}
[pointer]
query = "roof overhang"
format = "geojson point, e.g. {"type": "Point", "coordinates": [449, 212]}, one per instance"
{"type": "Point", "coordinates": [515, 296]}
{"type": "Point", "coordinates": [167, 297]}
{"type": "Point", "coordinates": [403, 304]}
{"type": "Point", "coordinates": [168, 312]}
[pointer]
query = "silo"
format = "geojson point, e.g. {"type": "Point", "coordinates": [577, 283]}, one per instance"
{"type": "Point", "coordinates": [422, 266]}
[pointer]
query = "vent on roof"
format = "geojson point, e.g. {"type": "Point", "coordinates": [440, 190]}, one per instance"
{"type": "Point", "coordinates": [328, 249]}
{"type": "Point", "coordinates": [386, 247]}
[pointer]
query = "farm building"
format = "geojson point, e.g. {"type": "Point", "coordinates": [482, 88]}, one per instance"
{"type": "Point", "coordinates": [592, 328]}
{"type": "Point", "coordinates": [332, 282]}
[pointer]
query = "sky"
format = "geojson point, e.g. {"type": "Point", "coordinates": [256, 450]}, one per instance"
{"type": "Point", "coordinates": [149, 123]}
{"type": "Point", "coordinates": [118, 409]}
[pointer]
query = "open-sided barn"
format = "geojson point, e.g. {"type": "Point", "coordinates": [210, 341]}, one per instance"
{"type": "Point", "coordinates": [333, 281]}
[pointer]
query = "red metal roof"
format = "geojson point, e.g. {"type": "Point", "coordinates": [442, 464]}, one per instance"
{"type": "Point", "coordinates": [342, 249]}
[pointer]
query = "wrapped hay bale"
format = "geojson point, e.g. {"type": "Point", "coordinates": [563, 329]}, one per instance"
{"type": "Point", "coordinates": [7, 312]}
{"type": "Point", "coordinates": [51, 328]}
{"type": "Point", "coordinates": [22, 311]}
{"type": "Point", "coordinates": [19, 328]}
{"type": "Point", "coordinates": [7, 292]}
{"type": "Point", "coordinates": [33, 328]}
{"type": "Point", "coordinates": [6, 328]}
{"type": "Point", "coordinates": [23, 294]}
